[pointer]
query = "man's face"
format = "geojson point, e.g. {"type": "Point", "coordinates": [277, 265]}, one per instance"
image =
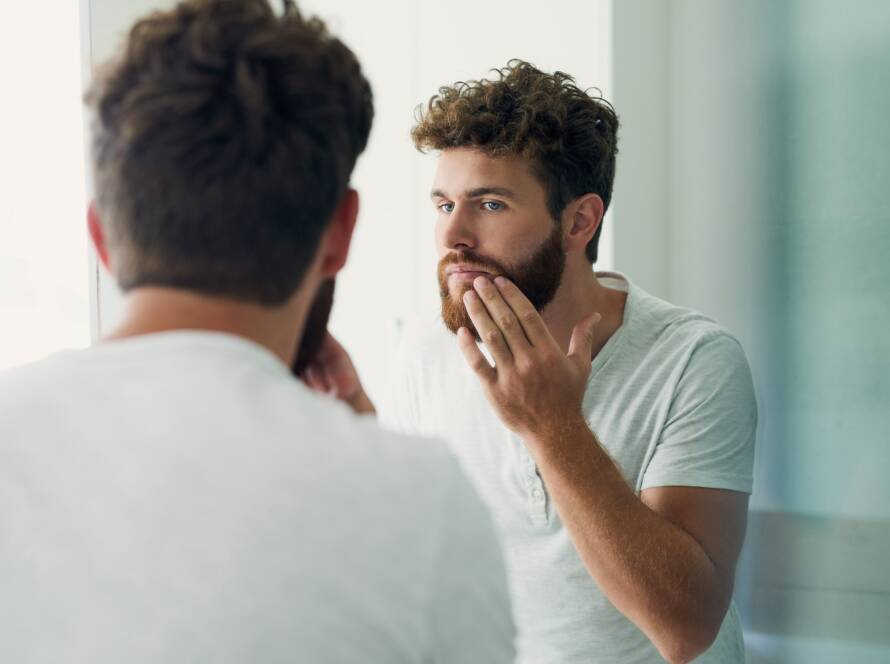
{"type": "Point", "coordinates": [492, 220]}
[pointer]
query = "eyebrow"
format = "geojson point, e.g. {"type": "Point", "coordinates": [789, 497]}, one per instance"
{"type": "Point", "coordinates": [478, 192]}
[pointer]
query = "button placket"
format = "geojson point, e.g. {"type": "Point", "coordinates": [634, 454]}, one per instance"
{"type": "Point", "coordinates": [536, 494]}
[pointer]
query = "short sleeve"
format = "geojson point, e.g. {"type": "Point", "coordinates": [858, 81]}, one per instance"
{"type": "Point", "coordinates": [708, 437]}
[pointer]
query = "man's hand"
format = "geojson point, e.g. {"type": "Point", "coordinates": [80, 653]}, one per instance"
{"type": "Point", "coordinates": [333, 373]}
{"type": "Point", "coordinates": [535, 388]}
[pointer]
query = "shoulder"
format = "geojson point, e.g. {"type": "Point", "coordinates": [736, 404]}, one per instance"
{"type": "Point", "coordinates": [705, 362]}
{"type": "Point", "coordinates": [667, 328]}
{"type": "Point", "coordinates": [40, 381]}
{"type": "Point", "coordinates": [409, 464]}
{"type": "Point", "coordinates": [405, 453]}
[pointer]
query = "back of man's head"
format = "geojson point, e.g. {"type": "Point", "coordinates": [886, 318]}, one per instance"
{"type": "Point", "coordinates": [224, 136]}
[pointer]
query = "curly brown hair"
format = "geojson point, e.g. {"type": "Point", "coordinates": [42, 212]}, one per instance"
{"type": "Point", "coordinates": [569, 136]}
{"type": "Point", "coordinates": [224, 137]}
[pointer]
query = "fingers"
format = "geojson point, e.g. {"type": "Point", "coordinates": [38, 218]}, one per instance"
{"type": "Point", "coordinates": [330, 348]}
{"type": "Point", "coordinates": [314, 379]}
{"type": "Point", "coordinates": [530, 320]}
{"type": "Point", "coordinates": [583, 337]}
{"type": "Point", "coordinates": [332, 371]}
{"type": "Point", "coordinates": [474, 356]}
{"type": "Point", "coordinates": [318, 379]}
{"type": "Point", "coordinates": [503, 316]}
{"type": "Point", "coordinates": [488, 331]}
{"type": "Point", "coordinates": [342, 377]}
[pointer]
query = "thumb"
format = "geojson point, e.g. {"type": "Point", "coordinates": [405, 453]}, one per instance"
{"type": "Point", "coordinates": [581, 345]}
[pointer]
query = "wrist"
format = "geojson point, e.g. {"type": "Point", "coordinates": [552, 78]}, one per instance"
{"type": "Point", "coordinates": [559, 434]}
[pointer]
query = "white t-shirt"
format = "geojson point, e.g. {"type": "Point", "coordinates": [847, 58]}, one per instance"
{"type": "Point", "coordinates": [179, 498]}
{"type": "Point", "coordinates": [670, 397]}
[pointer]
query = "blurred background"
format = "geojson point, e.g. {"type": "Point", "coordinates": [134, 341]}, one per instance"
{"type": "Point", "coordinates": [752, 185]}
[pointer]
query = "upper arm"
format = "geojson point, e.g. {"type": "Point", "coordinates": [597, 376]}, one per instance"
{"type": "Point", "coordinates": [700, 473]}
{"type": "Point", "coordinates": [715, 518]}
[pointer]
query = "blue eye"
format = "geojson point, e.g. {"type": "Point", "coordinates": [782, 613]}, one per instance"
{"type": "Point", "coordinates": [493, 206]}
{"type": "Point", "coordinates": [446, 207]}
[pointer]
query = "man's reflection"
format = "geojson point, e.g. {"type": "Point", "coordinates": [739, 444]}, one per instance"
{"type": "Point", "coordinates": [611, 433]}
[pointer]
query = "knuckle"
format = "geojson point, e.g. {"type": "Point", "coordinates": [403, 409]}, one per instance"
{"type": "Point", "coordinates": [524, 367]}
{"type": "Point", "coordinates": [529, 316]}
{"type": "Point", "coordinates": [506, 322]}
{"type": "Point", "coordinates": [492, 336]}
{"type": "Point", "coordinates": [549, 359]}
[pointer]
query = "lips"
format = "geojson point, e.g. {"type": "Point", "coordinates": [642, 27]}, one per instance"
{"type": "Point", "coordinates": [464, 275]}
{"type": "Point", "coordinates": [466, 270]}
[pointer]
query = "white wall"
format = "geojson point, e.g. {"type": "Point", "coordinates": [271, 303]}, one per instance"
{"type": "Point", "coordinates": [408, 49]}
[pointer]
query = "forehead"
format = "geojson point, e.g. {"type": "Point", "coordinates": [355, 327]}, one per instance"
{"type": "Point", "coordinates": [463, 169]}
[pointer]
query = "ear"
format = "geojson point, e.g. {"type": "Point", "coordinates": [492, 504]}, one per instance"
{"type": "Point", "coordinates": [97, 235]}
{"type": "Point", "coordinates": [338, 236]}
{"type": "Point", "coordinates": [585, 214]}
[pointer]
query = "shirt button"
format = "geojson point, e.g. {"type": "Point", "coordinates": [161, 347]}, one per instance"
{"type": "Point", "coordinates": [537, 494]}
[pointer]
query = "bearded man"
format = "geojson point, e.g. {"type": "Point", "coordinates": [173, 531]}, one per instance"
{"type": "Point", "coordinates": [611, 433]}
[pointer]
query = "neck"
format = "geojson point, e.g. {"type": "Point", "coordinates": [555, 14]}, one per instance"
{"type": "Point", "coordinates": [151, 310]}
{"type": "Point", "coordinates": [579, 295]}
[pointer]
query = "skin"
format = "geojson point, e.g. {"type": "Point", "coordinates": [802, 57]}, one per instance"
{"type": "Point", "coordinates": [150, 310]}
{"type": "Point", "coordinates": [333, 373]}
{"type": "Point", "coordinates": [666, 558]}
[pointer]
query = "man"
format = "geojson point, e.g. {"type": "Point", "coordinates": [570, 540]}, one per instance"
{"type": "Point", "coordinates": [611, 433]}
{"type": "Point", "coordinates": [175, 494]}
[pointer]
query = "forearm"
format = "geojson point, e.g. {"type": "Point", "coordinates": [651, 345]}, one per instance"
{"type": "Point", "coordinates": [653, 571]}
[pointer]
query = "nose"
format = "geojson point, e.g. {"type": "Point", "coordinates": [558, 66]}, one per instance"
{"type": "Point", "coordinates": [457, 231]}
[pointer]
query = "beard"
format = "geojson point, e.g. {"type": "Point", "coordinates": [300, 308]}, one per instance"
{"type": "Point", "coordinates": [538, 277]}
{"type": "Point", "coordinates": [316, 326]}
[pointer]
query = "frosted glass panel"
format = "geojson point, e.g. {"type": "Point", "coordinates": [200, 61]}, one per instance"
{"type": "Point", "coordinates": [753, 184]}
{"type": "Point", "coordinates": [834, 134]}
